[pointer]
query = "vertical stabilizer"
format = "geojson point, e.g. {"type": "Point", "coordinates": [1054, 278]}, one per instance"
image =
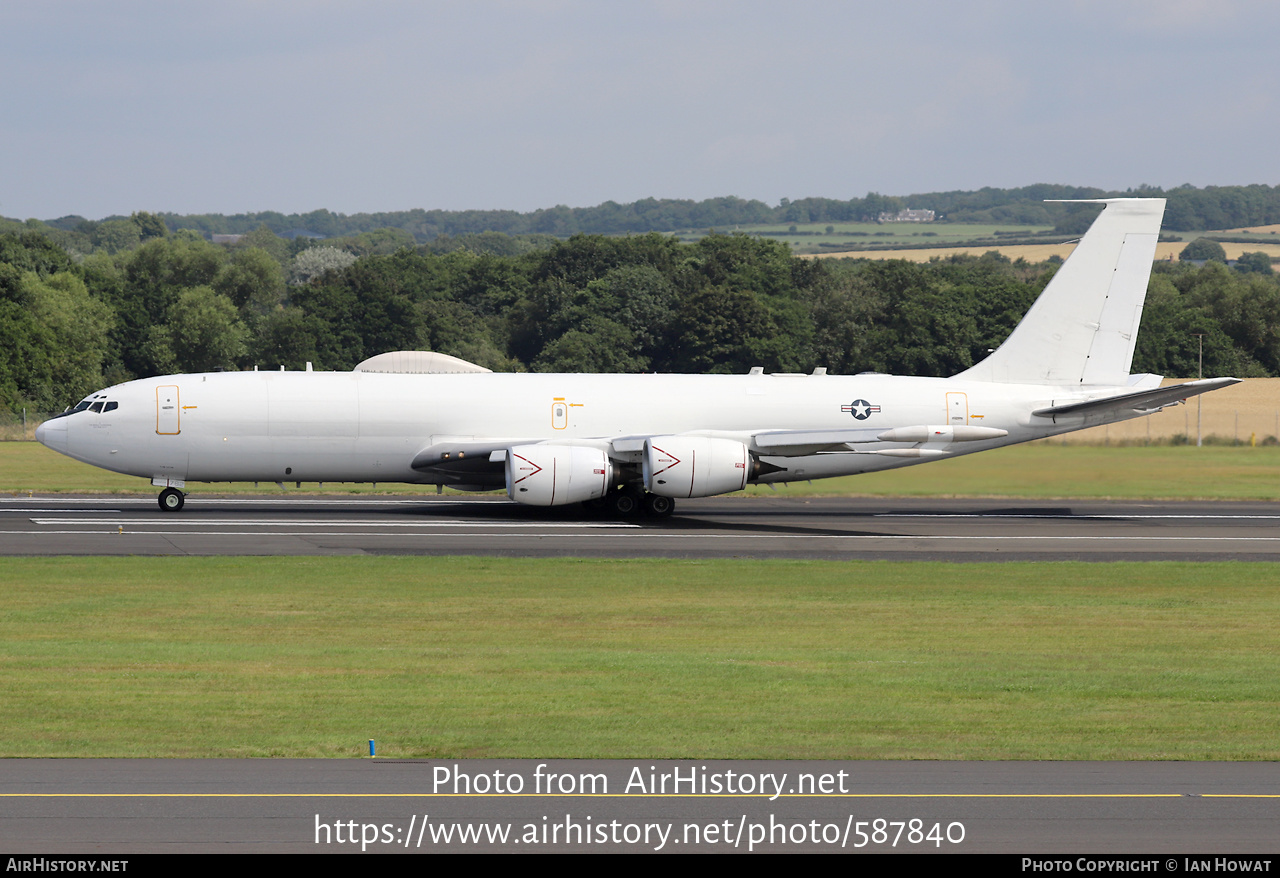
{"type": "Point", "coordinates": [1082, 329]}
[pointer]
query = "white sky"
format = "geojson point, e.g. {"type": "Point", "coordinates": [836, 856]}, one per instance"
{"type": "Point", "coordinates": [231, 106]}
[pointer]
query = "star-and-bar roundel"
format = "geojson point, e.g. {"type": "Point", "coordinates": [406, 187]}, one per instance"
{"type": "Point", "coordinates": [860, 409]}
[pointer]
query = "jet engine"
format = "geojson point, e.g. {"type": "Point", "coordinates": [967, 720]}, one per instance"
{"type": "Point", "coordinates": [556, 475]}
{"type": "Point", "coordinates": [695, 466]}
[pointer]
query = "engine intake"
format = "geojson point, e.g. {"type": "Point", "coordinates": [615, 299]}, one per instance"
{"type": "Point", "coordinates": [695, 466]}
{"type": "Point", "coordinates": [556, 475]}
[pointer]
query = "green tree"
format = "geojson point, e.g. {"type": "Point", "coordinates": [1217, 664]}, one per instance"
{"type": "Point", "coordinates": [253, 281]}
{"type": "Point", "coordinates": [154, 276]}
{"type": "Point", "coordinates": [203, 333]}
{"type": "Point", "coordinates": [315, 261]}
{"type": "Point", "coordinates": [149, 225]}
{"type": "Point", "coordinates": [116, 235]}
{"type": "Point", "coordinates": [77, 326]}
{"type": "Point", "coordinates": [598, 345]}
{"type": "Point", "coordinates": [265, 239]}
{"type": "Point", "coordinates": [1257, 262]}
{"type": "Point", "coordinates": [927, 326]}
{"type": "Point", "coordinates": [719, 329]}
{"type": "Point", "coordinates": [842, 308]}
{"type": "Point", "coordinates": [287, 338]}
{"type": "Point", "coordinates": [1203, 249]}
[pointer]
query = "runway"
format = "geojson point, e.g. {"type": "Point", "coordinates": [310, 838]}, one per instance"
{"type": "Point", "coordinates": [114, 807]}
{"type": "Point", "coordinates": [738, 527]}
{"type": "Point", "coordinates": [109, 807]}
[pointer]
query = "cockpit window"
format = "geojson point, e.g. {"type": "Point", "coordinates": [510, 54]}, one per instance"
{"type": "Point", "coordinates": [97, 402]}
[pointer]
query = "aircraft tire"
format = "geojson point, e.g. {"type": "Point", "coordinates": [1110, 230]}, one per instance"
{"type": "Point", "coordinates": [657, 506]}
{"type": "Point", "coordinates": [624, 504]}
{"type": "Point", "coordinates": [171, 500]}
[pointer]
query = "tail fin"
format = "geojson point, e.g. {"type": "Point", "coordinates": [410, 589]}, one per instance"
{"type": "Point", "coordinates": [1082, 329]}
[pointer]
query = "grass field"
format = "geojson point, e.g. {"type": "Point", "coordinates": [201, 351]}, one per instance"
{"type": "Point", "coordinates": [1038, 470]}
{"type": "Point", "coordinates": [1088, 472]}
{"type": "Point", "coordinates": [812, 236]}
{"type": "Point", "coordinates": [1248, 412]}
{"type": "Point", "coordinates": [848, 240]}
{"type": "Point", "coordinates": [1032, 253]}
{"type": "Point", "coordinates": [466, 657]}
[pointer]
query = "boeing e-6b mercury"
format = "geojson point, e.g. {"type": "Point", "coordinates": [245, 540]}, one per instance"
{"type": "Point", "coordinates": [629, 442]}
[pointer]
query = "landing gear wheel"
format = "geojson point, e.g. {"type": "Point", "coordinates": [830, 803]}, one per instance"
{"type": "Point", "coordinates": [171, 500]}
{"type": "Point", "coordinates": [624, 504]}
{"type": "Point", "coordinates": [657, 506]}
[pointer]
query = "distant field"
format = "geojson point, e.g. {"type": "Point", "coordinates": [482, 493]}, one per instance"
{"type": "Point", "coordinates": [1250, 230]}
{"type": "Point", "coordinates": [1030, 252]}
{"type": "Point", "coordinates": [876, 234]}
{"type": "Point", "coordinates": [1043, 469]}
{"type": "Point", "coordinates": [1245, 412]}
{"type": "Point", "coordinates": [817, 242]}
{"type": "Point", "coordinates": [1166, 250]}
{"type": "Point", "coordinates": [468, 657]}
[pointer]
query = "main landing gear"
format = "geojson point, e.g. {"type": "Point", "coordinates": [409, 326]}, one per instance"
{"type": "Point", "coordinates": [171, 500]}
{"type": "Point", "coordinates": [631, 501]}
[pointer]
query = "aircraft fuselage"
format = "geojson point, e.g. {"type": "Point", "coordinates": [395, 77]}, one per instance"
{"type": "Point", "coordinates": [363, 427]}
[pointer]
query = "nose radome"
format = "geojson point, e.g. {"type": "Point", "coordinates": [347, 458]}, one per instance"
{"type": "Point", "coordinates": [53, 434]}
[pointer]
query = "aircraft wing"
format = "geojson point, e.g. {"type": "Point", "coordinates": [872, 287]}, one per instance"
{"type": "Point", "coordinates": [467, 462]}
{"type": "Point", "coordinates": [798, 443]}
{"type": "Point", "coordinates": [472, 460]}
{"type": "Point", "coordinates": [1144, 401]}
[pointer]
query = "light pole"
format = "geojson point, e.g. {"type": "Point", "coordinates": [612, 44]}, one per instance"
{"type": "Point", "coordinates": [1199, 375]}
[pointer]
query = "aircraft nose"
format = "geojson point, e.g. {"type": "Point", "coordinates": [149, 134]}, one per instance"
{"type": "Point", "coordinates": [53, 434]}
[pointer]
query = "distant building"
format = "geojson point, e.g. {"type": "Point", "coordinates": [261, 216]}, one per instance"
{"type": "Point", "coordinates": [908, 216]}
{"type": "Point", "coordinates": [227, 239]}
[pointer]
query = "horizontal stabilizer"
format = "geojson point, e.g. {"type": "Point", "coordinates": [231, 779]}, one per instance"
{"type": "Point", "coordinates": [1143, 401]}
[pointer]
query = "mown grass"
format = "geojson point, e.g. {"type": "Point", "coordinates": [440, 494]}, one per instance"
{"type": "Point", "coordinates": [1040, 470]}
{"type": "Point", "coordinates": [1045, 470]}
{"type": "Point", "coordinates": [28, 467]}
{"type": "Point", "coordinates": [471, 657]}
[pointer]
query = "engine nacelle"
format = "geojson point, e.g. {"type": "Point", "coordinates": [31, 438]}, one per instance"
{"type": "Point", "coordinates": [556, 475]}
{"type": "Point", "coordinates": [695, 466]}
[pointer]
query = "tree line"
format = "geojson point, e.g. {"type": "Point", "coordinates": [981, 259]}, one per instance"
{"type": "Point", "coordinates": [178, 303]}
{"type": "Point", "coordinates": [1189, 209]}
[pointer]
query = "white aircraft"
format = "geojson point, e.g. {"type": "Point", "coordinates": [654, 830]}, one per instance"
{"type": "Point", "coordinates": [626, 442]}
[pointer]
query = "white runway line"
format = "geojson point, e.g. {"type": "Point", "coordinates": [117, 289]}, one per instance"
{"type": "Point", "coordinates": [670, 536]}
{"type": "Point", "coordinates": [1101, 516]}
{"type": "Point", "coordinates": [283, 499]}
{"type": "Point", "coordinates": [286, 522]}
{"type": "Point", "coordinates": [60, 511]}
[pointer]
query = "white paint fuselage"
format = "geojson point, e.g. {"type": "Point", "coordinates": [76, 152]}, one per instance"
{"type": "Point", "coordinates": [364, 426]}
